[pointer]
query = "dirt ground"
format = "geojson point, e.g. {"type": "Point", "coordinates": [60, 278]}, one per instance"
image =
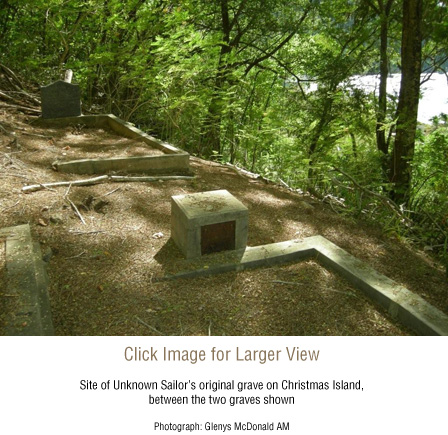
{"type": "Point", "coordinates": [103, 273]}
{"type": "Point", "coordinates": [3, 297]}
{"type": "Point", "coordinates": [80, 142]}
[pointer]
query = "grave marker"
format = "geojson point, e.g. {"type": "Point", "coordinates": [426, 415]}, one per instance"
{"type": "Point", "coordinates": [208, 222]}
{"type": "Point", "coordinates": [60, 100]}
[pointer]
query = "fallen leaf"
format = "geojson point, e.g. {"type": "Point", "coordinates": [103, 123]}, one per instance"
{"type": "Point", "coordinates": [42, 223]}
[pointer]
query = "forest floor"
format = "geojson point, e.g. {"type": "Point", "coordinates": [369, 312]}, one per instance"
{"type": "Point", "coordinates": [102, 273]}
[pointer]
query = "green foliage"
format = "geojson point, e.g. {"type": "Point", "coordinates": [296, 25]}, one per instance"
{"type": "Point", "coordinates": [430, 190]}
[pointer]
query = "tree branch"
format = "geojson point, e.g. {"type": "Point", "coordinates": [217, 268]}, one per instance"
{"type": "Point", "coordinates": [269, 54]}
{"type": "Point", "coordinates": [385, 200]}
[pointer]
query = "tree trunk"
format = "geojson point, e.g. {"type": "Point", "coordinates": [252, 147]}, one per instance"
{"type": "Point", "coordinates": [411, 54]}
{"type": "Point", "coordinates": [211, 134]}
{"type": "Point", "coordinates": [382, 143]}
{"type": "Point", "coordinates": [325, 119]}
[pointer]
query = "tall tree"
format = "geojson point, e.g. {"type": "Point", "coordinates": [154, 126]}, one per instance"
{"type": "Point", "coordinates": [407, 110]}
{"type": "Point", "coordinates": [383, 9]}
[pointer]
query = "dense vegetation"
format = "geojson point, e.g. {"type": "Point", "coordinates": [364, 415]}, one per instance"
{"type": "Point", "coordinates": [264, 84]}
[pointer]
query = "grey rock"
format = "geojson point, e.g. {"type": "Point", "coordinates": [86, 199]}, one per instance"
{"type": "Point", "coordinates": [56, 219]}
{"type": "Point", "coordinates": [47, 254]}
